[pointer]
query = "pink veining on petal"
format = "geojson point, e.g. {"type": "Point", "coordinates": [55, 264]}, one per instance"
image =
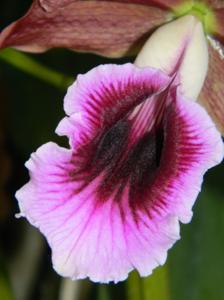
{"type": "Point", "coordinates": [93, 104]}
{"type": "Point", "coordinates": [113, 203]}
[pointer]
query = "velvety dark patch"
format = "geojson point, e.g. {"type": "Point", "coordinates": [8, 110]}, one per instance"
{"type": "Point", "coordinates": [113, 104]}
{"type": "Point", "coordinates": [120, 161]}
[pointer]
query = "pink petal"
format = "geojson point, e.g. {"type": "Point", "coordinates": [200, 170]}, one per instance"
{"type": "Point", "coordinates": [212, 95]}
{"type": "Point", "coordinates": [107, 28]}
{"type": "Point", "coordinates": [92, 104]}
{"type": "Point", "coordinates": [95, 234]}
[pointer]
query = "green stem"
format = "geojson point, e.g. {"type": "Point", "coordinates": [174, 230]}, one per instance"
{"type": "Point", "coordinates": [34, 68]}
{"type": "Point", "coordinates": [103, 292]}
{"type": "Point", "coordinates": [156, 286]}
{"type": "Point", "coordinates": [6, 292]}
{"type": "Point", "coordinates": [134, 287]}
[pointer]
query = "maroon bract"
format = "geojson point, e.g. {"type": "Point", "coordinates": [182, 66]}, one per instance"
{"type": "Point", "coordinates": [107, 28]}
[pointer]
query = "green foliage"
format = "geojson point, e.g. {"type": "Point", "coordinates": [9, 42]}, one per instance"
{"type": "Point", "coordinates": [103, 292]}
{"type": "Point", "coordinates": [153, 287]}
{"type": "Point", "coordinates": [5, 288]}
{"type": "Point", "coordinates": [196, 264]}
{"type": "Point", "coordinates": [30, 66]}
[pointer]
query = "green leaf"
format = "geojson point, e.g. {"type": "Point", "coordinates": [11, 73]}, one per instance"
{"type": "Point", "coordinates": [134, 287]}
{"type": "Point", "coordinates": [5, 289]}
{"type": "Point", "coordinates": [103, 292]}
{"type": "Point", "coordinates": [28, 65]}
{"type": "Point", "coordinates": [155, 287]}
{"type": "Point", "coordinates": [196, 263]}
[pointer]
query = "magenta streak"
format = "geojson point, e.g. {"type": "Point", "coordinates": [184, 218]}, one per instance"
{"type": "Point", "coordinates": [85, 227]}
{"type": "Point", "coordinates": [149, 114]}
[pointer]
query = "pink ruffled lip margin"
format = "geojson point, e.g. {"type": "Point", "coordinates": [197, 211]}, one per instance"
{"type": "Point", "coordinates": [93, 233]}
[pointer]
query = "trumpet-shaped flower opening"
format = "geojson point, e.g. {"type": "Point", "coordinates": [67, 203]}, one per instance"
{"type": "Point", "coordinates": [138, 152]}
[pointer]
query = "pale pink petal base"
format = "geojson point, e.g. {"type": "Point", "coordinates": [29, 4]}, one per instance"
{"type": "Point", "coordinates": [103, 241]}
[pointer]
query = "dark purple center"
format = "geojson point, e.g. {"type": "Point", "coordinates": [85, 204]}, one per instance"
{"type": "Point", "coordinates": [120, 160]}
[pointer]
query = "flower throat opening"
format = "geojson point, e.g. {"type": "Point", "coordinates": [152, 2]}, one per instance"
{"type": "Point", "coordinates": [121, 162]}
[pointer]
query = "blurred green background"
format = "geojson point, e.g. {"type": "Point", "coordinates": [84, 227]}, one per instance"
{"type": "Point", "coordinates": [30, 110]}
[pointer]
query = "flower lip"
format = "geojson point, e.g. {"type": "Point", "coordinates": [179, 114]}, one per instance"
{"type": "Point", "coordinates": [101, 223]}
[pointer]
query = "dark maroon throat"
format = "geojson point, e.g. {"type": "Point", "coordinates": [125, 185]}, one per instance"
{"type": "Point", "coordinates": [121, 160]}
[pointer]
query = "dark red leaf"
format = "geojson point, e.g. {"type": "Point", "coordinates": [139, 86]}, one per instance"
{"type": "Point", "coordinates": [212, 95]}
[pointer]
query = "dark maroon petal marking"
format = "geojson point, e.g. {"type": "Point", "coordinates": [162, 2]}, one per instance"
{"type": "Point", "coordinates": [123, 128]}
{"type": "Point", "coordinates": [121, 159]}
{"type": "Point", "coordinates": [117, 102]}
{"type": "Point", "coordinates": [119, 93]}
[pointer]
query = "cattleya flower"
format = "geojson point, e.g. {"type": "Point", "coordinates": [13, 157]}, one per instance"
{"type": "Point", "coordinates": [117, 28]}
{"type": "Point", "coordinates": [139, 147]}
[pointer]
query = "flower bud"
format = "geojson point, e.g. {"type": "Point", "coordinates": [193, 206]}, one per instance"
{"type": "Point", "coordinates": [179, 48]}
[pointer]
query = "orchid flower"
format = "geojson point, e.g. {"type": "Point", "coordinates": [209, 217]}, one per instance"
{"type": "Point", "coordinates": [139, 147]}
{"type": "Point", "coordinates": [118, 28]}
